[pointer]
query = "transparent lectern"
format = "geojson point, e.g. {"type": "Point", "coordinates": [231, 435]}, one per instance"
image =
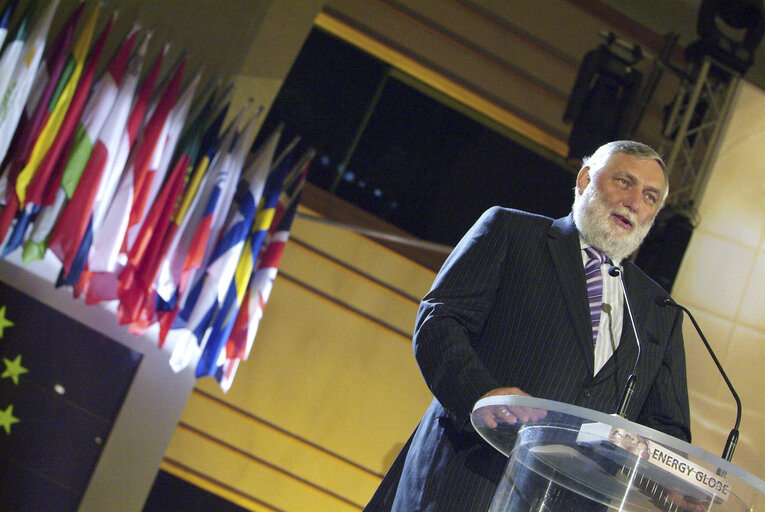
{"type": "Point", "coordinates": [568, 458]}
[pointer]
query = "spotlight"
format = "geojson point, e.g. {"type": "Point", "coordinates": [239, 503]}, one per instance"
{"type": "Point", "coordinates": [730, 31]}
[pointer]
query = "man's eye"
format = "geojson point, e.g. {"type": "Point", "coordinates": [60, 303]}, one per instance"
{"type": "Point", "coordinates": [651, 198]}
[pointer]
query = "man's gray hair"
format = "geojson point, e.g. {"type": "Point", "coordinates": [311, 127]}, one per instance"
{"type": "Point", "coordinates": [628, 147]}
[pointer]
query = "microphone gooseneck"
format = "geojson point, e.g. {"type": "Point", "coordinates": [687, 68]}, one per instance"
{"type": "Point", "coordinates": [629, 387]}
{"type": "Point", "coordinates": [730, 444]}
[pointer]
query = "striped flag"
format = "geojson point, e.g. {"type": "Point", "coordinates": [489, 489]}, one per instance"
{"type": "Point", "coordinates": [74, 145]}
{"type": "Point", "coordinates": [66, 237]}
{"type": "Point", "coordinates": [135, 281]}
{"type": "Point", "coordinates": [220, 177]}
{"type": "Point", "coordinates": [261, 282]}
{"type": "Point", "coordinates": [251, 201]}
{"type": "Point", "coordinates": [107, 153]}
{"type": "Point", "coordinates": [78, 219]}
{"type": "Point", "coordinates": [18, 69]}
{"type": "Point", "coordinates": [264, 272]}
{"type": "Point", "coordinates": [107, 241]}
{"type": "Point", "coordinates": [264, 222]}
{"type": "Point", "coordinates": [119, 139]}
{"type": "Point", "coordinates": [163, 152]}
{"type": "Point", "coordinates": [140, 173]}
{"type": "Point", "coordinates": [198, 139]}
{"type": "Point", "coordinates": [55, 116]}
{"type": "Point", "coordinates": [210, 287]}
{"type": "Point", "coordinates": [174, 272]}
{"type": "Point", "coordinates": [15, 95]}
{"type": "Point", "coordinates": [59, 107]}
{"type": "Point", "coordinates": [146, 250]}
{"type": "Point", "coordinates": [251, 310]}
{"type": "Point", "coordinates": [162, 249]}
{"type": "Point", "coordinates": [8, 63]}
{"type": "Point", "coordinates": [43, 96]}
{"type": "Point", "coordinates": [56, 70]}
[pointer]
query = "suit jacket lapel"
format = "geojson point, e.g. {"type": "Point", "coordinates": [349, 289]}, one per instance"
{"type": "Point", "coordinates": [563, 242]}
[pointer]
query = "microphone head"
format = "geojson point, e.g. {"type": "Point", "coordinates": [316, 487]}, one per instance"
{"type": "Point", "coordinates": [664, 300]}
{"type": "Point", "coordinates": [614, 271]}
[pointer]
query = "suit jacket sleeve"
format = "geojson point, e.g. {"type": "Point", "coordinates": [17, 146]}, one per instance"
{"type": "Point", "coordinates": [453, 313]}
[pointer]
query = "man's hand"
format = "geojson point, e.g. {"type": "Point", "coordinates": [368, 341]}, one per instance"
{"type": "Point", "coordinates": [492, 416]}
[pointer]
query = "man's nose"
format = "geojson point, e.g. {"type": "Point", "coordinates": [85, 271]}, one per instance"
{"type": "Point", "coordinates": [631, 200]}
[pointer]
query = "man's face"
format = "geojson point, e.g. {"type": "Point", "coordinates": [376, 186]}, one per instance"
{"type": "Point", "coordinates": [617, 204]}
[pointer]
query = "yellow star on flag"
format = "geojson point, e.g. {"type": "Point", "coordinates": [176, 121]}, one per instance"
{"type": "Point", "coordinates": [13, 369]}
{"type": "Point", "coordinates": [7, 419]}
{"type": "Point", "coordinates": [4, 322]}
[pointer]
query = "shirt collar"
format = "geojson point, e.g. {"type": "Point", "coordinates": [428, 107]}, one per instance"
{"type": "Point", "coordinates": [583, 245]}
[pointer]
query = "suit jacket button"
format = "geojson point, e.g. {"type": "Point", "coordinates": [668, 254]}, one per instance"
{"type": "Point", "coordinates": [587, 393]}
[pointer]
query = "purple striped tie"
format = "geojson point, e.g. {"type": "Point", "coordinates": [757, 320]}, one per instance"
{"type": "Point", "coordinates": [594, 279]}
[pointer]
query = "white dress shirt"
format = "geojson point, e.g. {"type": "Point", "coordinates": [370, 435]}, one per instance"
{"type": "Point", "coordinates": [612, 315]}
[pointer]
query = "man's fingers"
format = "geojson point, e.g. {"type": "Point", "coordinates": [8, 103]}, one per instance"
{"type": "Point", "coordinates": [528, 414]}
{"type": "Point", "coordinates": [507, 416]}
{"type": "Point", "coordinates": [496, 414]}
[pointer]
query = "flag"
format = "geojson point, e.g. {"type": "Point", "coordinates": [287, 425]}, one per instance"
{"type": "Point", "coordinates": [251, 309]}
{"type": "Point", "coordinates": [88, 199]}
{"type": "Point", "coordinates": [57, 111]}
{"type": "Point", "coordinates": [72, 149]}
{"type": "Point", "coordinates": [67, 236]}
{"type": "Point", "coordinates": [148, 245]}
{"type": "Point", "coordinates": [78, 275]}
{"type": "Point", "coordinates": [190, 146]}
{"type": "Point", "coordinates": [52, 121]}
{"type": "Point", "coordinates": [210, 287]}
{"type": "Point", "coordinates": [264, 222]}
{"type": "Point", "coordinates": [163, 153]}
{"type": "Point", "coordinates": [246, 221]}
{"type": "Point", "coordinates": [20, 80]}
{"type": "Point", "coordinates": [244, 330]}
{"type": "Point", "coordinates": [43, 96]}
{"type": "Point", "coordinates": [220, 177]}
{"type": "Point", "coordinates": [152, 144]}
{"type": "Point", "coordinates": [170, 280]}
{"type": "Point", "coordinates": [50, 77]}
{"type": "Point", "coordinates": [9, 61]}
{"type": "Point", "coordinates": [114, 133]}
{"type": "Point", "coordinates": [136, 279]}
{"type": "Point", "coordinates": [119, 137]}
{"type": "Point", "coordinates": [5, 20]}
{"type": "Point", "coordinates": [112, 229]}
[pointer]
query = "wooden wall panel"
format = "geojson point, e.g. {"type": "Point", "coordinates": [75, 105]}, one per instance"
{"type": "Point", "coordinates": [363, 295]}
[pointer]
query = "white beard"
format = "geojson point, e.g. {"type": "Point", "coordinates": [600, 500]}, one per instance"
{"type": "Point", "coordinates": [592, 219]}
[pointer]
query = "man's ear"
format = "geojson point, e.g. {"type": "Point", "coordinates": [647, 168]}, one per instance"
{"type": "Point", "coordinates": [583, 179]}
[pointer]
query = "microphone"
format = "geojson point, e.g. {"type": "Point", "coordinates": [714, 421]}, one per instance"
{"type": "Point", "coordinates": [730, 444]}
{"type": "Point", "coordinates": [629, 387]}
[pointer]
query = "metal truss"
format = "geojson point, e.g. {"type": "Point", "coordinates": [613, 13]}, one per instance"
{"type": "Point", "coordinates": [692, 132]}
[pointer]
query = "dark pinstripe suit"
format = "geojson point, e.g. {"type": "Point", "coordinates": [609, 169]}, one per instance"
{"type": "Point", "coordinates": [509, 308]}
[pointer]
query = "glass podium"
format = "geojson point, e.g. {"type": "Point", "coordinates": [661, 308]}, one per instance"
{"type": "Point", "coordinates": [568, 458]}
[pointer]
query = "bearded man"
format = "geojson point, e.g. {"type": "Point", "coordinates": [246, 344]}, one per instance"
{"type": "Point", "coordinates": [509, 313]}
